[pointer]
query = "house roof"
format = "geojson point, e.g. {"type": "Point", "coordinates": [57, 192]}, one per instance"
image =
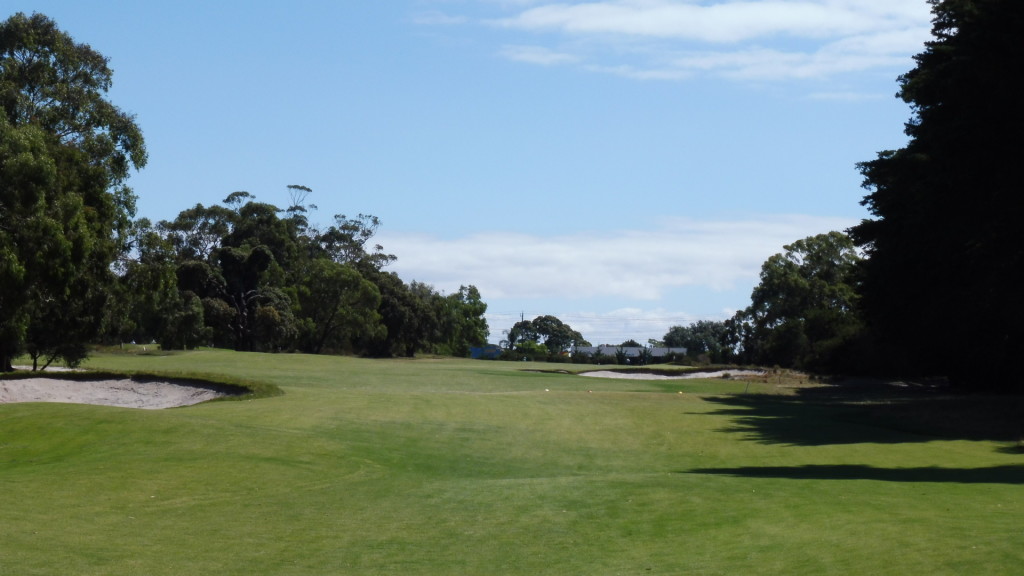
{"type": "Point", "coordinates": [629, 351]}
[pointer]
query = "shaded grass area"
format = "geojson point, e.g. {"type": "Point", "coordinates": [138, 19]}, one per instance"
{"type": "Point", "coordinates": [1006, 474]}
{"type": "Point", "coordinates": [460, 467]}
{"type": "Point", "coordinates": [874, 411]}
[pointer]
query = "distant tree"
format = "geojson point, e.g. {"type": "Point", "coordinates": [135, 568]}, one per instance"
{"type": "Point", "coordinates": [529, 350]}
{"type": "Point", "coordinates": [348, 242]}
{"type": "Point", "coordinates": [630, 344]}
{"type": "Point", "coordinates": [804, 311]}
{"type": "Point", "coordinates": [645, 356]}
{"type": "Point", "coordinates": [701, 337]}
{"type": "Point", "coordinates": [462, 320]}
{"type": "Point", "coordinates": [548, 330]}
{"type": "Point", "coordinates": [520, 332]}
{"type": "Point", "coordinates": [146, 294]}
{"type": "Point", "coordinates": [185, 326]}
{"type": "Point", "coordinates": [258, 224]}
{"type": "Point", "coordinates": [298, 194]}
{"type": "Point", "coordinates": [274, 325]}
{"type": "Point", "coordinates": [239, 283]}
{"type": "Point", "coordinates": [620, 356]}
{"type": "Point", "coordinates": [219, 318]}
{"type": "Point", "coordinates": [944, 242]}
{"type": "Point", "coordinates": [337, 304]}
{"type": "Point", "coordinates": [408, 318]}
{"type": "Point", "coordinates": [260, 278]}
{"type": "Point", "coordinates": [65, 156]}
{"type": "Point", "coordinates": [597, 357]}
{"type": "Point", "coordinates": [198, 231]}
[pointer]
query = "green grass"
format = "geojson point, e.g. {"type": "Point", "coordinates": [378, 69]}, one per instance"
{"type": "Point", "coordinates": [470, 467]}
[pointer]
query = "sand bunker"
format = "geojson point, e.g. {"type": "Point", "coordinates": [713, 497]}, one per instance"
{"type": "Point", "coordinates": [691, 375]}
{"type": "Point", "coordinates": [122, 393]}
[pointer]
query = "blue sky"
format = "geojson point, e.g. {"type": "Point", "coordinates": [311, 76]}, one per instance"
{"type": "Point", "coordinates": [626, 165]}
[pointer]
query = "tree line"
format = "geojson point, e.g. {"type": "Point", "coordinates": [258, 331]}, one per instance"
{"type": "Point", "coordinates": [247, 275]}
{"type": "Point", "coordinates": [922, 287]}
{"type": "Point", "coordinates": [77, 267]}
{"type": "Point", "coordinates": [804, 313]}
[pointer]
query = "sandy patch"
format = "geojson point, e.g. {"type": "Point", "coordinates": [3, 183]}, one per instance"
{"type": "Point", "coordinates": [122, 393]}
{"type": "Point", "coordinates": [649, 376]}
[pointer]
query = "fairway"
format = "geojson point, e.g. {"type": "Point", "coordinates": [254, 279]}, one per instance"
{"type": "Point", "coordinates": [442, 466]}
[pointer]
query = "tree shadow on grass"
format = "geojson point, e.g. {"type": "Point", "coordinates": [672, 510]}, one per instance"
{"type": "Point", "coordinates": [993, 475]}
{"type": "Point", "coordinates": [872, 412]}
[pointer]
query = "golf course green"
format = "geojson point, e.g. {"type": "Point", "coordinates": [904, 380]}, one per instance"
{"type": "Point", "coordinates": [445, 466]}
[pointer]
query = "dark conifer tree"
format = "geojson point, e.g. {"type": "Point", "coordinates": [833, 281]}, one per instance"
{"type": "Point", "coordinates": [945, 238]}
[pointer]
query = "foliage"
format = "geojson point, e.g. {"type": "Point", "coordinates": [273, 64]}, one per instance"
{"type": "Point", "coordinates": [247, 275]}
{"type": "Point", "coordinates": [244, 274]}
{"type": "Point", "coordinates": [462, 321]}
{"type": "Point", "coordinates": [408, 316]}
{"type": "Point", "coordinates": [803, 313]}
{"type": "Point", "coordinates": [65, 154]}
{"type": "Point", "coordinates": [196, 232]}
{"type": "Point", "coordinates": [621, 357]}
{"type": "Point", "coordinates": [548, 330]}
{"type": "Point", "coordinates": [645, 356]}
{"type": "Point", "coordinates": [703, 337]}
{"type": "Point", "coordinates": [944, 241]}
{"type": "Point", "coordinates": [334, 301]}
{"type": "Point", "coordinates": [527, 350]}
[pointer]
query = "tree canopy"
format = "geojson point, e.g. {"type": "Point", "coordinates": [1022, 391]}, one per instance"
{"type": "Point", "coordinates": [555, 335]}
{"type": "Point", "coordinates": [803, 313]}
{"type": "Point", "coordinates": [75, 267]}
{"type": "Point", "coordinates": [943, 241]}
{"type": "Point", "coordinates": [65, 210]}
{"type": "Point", "coordinates": [248, 275]}
{"type": "Point", "coordinates": [704, 337]}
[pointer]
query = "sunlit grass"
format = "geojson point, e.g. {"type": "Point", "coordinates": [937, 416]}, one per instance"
{"type": "Point", "coordinates": [470, 467]}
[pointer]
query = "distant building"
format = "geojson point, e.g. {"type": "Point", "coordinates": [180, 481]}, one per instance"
{"type": "Point", "coordinates": [629, 351]}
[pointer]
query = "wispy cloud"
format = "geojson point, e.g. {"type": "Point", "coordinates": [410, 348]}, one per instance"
{"type": "Point", "coordinates": [610, 286]}
{"type": "Point", "coordinates": [720, 22]}
{"type": "Point", "coordinates": [537, 55]}
{"type": "Point", "coordinates": [849, 96]}
{"type": "Point", "coordinates": [627, 71]}
{"type": "Point", "coordinates": [436, 18]}
{"type": "Point", "coordinates": [627, 264]}
{"type": "Point", "coordinates": [853, 54]}
{"type": "Point", "coordinates": [745, 40]}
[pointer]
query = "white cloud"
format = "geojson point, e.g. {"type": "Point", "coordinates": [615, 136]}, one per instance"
{"type": "Point", "coordinates": [537, 55]}
{"type": "Point", "coordinates": [749, 40]}
{"type": "Point", "coordinates": [724, 22]}
{"type": "Point", "coordinates": [852, 54]}
{"type": "Point", "coordinates": [610, 286]}
{"type": "Point", "coordinates": [435, 18]}
{"type": "Point", "coordinates": [644, 74]}
{"type": "Point", "coordinates": [630, 265]}
{"type": "Point", "coordinates": [848, 96]}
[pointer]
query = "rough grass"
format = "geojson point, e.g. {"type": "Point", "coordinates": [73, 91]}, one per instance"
{"type": "Point", "coordinates": [471, 467]}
